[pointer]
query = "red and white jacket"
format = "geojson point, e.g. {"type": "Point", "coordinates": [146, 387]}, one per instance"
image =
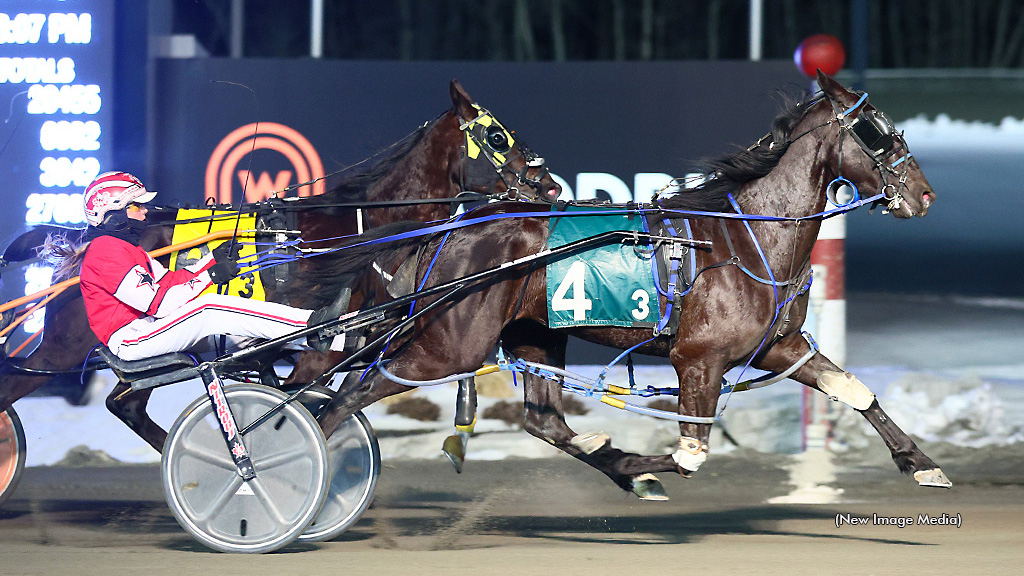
{"type": "Point", "coordinates": [121, 283]}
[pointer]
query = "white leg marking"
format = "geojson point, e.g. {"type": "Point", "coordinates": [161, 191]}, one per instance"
{"type": "Point", "coordinates": [933, 477]}
{"type": "Point", "coordinates": [590, 442]}
{"type": "Point", "coordinates": [691, 454]}
{"type": "Point", "coordinates": [845, 387]}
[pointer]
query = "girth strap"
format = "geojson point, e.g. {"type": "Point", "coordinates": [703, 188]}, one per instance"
{"type": "Point", "coordinates": [671, 263]}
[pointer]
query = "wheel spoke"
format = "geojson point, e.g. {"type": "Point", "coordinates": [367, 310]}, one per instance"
{"type": "Point", "coordinates": [219, 502]}
{"type": "Point", "coordinates": [280, 459]}
{"type": "Point", "coordinates": [336, 441]}
{"type": "Point", "coordinates": [341, 500]}
{"type": "Point", "coordinates": [267, 501]}
{"type": "Point", "coordinates": [214, 456]}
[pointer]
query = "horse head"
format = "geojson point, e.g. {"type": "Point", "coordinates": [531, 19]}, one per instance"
{"type": "Point", "coordinates": [872, 153]}
{"type": "Point", "coordinates": [494, 159]}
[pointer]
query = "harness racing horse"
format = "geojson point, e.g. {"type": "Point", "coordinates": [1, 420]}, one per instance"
{"type": "Point", "coordinates": [464, 150]}
{"type": "Point", "coordinates": [734, 313]}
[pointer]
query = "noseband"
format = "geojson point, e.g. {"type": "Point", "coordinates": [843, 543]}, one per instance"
{"type": "Point", "coordinates": [487, 139]}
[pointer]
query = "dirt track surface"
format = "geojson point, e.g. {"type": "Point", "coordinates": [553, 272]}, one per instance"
{"type": "Point", "coordinates": [541, 517]}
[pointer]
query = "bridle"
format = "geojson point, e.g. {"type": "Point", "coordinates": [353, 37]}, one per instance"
{"type": "Point", "coordinates": [877, 136]}
{"type": "Point", "coordinates": [487, 139]}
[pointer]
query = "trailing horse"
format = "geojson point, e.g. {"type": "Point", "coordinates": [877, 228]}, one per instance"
{"type": "Point", "coordinates": [745, 305]}
{"type": "Point", "coordinates": [464, 150]}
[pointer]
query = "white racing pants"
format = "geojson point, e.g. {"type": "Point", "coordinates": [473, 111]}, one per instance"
{"type": "Point", "coordinates": [207, 315]}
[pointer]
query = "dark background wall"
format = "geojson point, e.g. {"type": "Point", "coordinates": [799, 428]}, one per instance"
{"type": "Point", "coordinates": [613, 118]}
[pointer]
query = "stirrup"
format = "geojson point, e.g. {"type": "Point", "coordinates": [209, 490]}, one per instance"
{"type": "Point", "coordinates": [321, 339]}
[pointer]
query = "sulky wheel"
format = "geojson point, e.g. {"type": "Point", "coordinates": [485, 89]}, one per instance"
{"type": "Point", "coordinates": [355, 465]}
{"type": "Point", "coordinates": [12, 453]}
{"type": "Point", "coordinates": [209, 498]}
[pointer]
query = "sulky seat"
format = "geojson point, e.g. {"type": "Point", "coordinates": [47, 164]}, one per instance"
{"type": "Point", "coordinates": [152, 372]}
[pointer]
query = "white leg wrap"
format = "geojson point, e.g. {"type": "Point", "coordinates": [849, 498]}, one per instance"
{"type": "Point", "coordinates": [845, 387]}
{"type": "Point", "coordinates": [691, 454]}
{"type": "Point", "coordinates": [590, 442]}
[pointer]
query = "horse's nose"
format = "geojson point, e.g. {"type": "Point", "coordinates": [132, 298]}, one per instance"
{"type": "Point", "coordinates": [552, 193]}
{"type": "Point", "coordinates": [926, 201]}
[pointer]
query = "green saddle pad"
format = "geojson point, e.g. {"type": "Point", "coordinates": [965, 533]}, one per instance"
{"type": "Point", "coordinates": [611, 285]}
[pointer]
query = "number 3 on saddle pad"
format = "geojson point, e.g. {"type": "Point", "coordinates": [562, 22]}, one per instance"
{"type": "Point", "coordinates": [247, 284]}
{"type": "Point", "coordinates": [610, 285]}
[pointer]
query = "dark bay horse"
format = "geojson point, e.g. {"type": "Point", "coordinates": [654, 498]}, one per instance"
{"type": "Point", "coordinates": [727, 319]}
{"type": "Point", "coordinates": [436, 161]}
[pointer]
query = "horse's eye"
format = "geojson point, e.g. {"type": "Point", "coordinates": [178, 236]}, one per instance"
{"type": "Point", "coordinates": [497, 140]}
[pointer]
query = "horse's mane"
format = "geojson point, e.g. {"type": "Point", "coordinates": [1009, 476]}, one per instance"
{"type": "Point", "coordinates": [353, 185]}
{"type": "Point", "coordinates": [728, 173]}
{"type": "Point", "coordinates": [329, 273]}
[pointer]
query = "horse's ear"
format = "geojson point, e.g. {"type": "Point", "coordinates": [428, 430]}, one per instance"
{"type": "Point", "coordinates": [461, 102]}
{"type": "Point", "coordinates": [835, 90]}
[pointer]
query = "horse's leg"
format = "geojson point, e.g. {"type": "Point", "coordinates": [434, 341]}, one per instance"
{"type": "Point", "coordinates": [16, 386]}
{"type": "Point", "coordinates": [821, 374]}
{"type": "Point", "coordinates": [544, 416]}
{"type": "Point", "coordinates": [64, 346]}
{"type": "Point", "coordinates": [700, 383]}
{"type": "Point", "coordinates": [311, 364]}
{"type": "Point", "coordinates": [130, 408]}
{"type": "Point", "coordinates": [454, 446]}
{"type": "Point", "coordinates": [355, 394]}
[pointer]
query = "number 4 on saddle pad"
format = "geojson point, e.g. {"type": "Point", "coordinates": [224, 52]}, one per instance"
{"type": "Point", "coordinates": [611, 285]}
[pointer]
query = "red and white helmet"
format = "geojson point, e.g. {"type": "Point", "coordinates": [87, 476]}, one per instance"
{"type": "Point", "coordinates": [113, 191]}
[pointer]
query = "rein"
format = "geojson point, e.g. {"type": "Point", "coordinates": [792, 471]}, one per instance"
{"type": "Point", "coordinates": [299, 205]}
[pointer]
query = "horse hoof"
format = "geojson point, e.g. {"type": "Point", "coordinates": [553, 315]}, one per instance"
{"type": "Point", "coordinates": [590, 442]}
{"type": "Point", "coordinates": [648, 487]}
{"type": "Point", "coordinates": [455, 451]}
{"type": "Point", "coordinates": [933, 477]}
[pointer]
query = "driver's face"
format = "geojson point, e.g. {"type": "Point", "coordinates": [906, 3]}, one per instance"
{"type": "Point", "coordinates": [137, 212]}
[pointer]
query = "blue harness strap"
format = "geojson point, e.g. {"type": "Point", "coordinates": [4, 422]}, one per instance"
{"type": "Point", "coordinates": [673, 262]}
{"type": "Point", "coordinates": [436, 228]}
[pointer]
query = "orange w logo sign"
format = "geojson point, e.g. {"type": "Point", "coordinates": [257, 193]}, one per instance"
{"type": "Point", "coordinates": [262, 187]}
{"type": "Point", "coordinates": [299, 158]}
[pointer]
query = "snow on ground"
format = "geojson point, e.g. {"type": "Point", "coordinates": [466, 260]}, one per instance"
{"type": "Point", "coordinates": [944, 132]}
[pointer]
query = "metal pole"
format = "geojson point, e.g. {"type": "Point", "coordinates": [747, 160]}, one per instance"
{"type": "Point", "coordinates": [859, 41]}
{"type": "Point", "coordinates": [237, 27]}
{"type": "Point", "coordinates": [316, 28]}
{"type": "Point", "coordinates": [756, 26]}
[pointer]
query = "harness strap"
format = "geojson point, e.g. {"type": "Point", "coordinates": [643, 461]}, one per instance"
{"type": "Point", "coordinates": [788, 304]}
{"type": "Point", "coordinates": [772, 378]}
{"type": "Point", "coordinates": [739, 264]}
{"type": "Point", "coordinates": [665, 325]}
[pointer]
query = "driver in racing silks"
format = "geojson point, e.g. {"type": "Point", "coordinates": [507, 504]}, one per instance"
{"type": "Point", "coordinates": [139, 309]}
